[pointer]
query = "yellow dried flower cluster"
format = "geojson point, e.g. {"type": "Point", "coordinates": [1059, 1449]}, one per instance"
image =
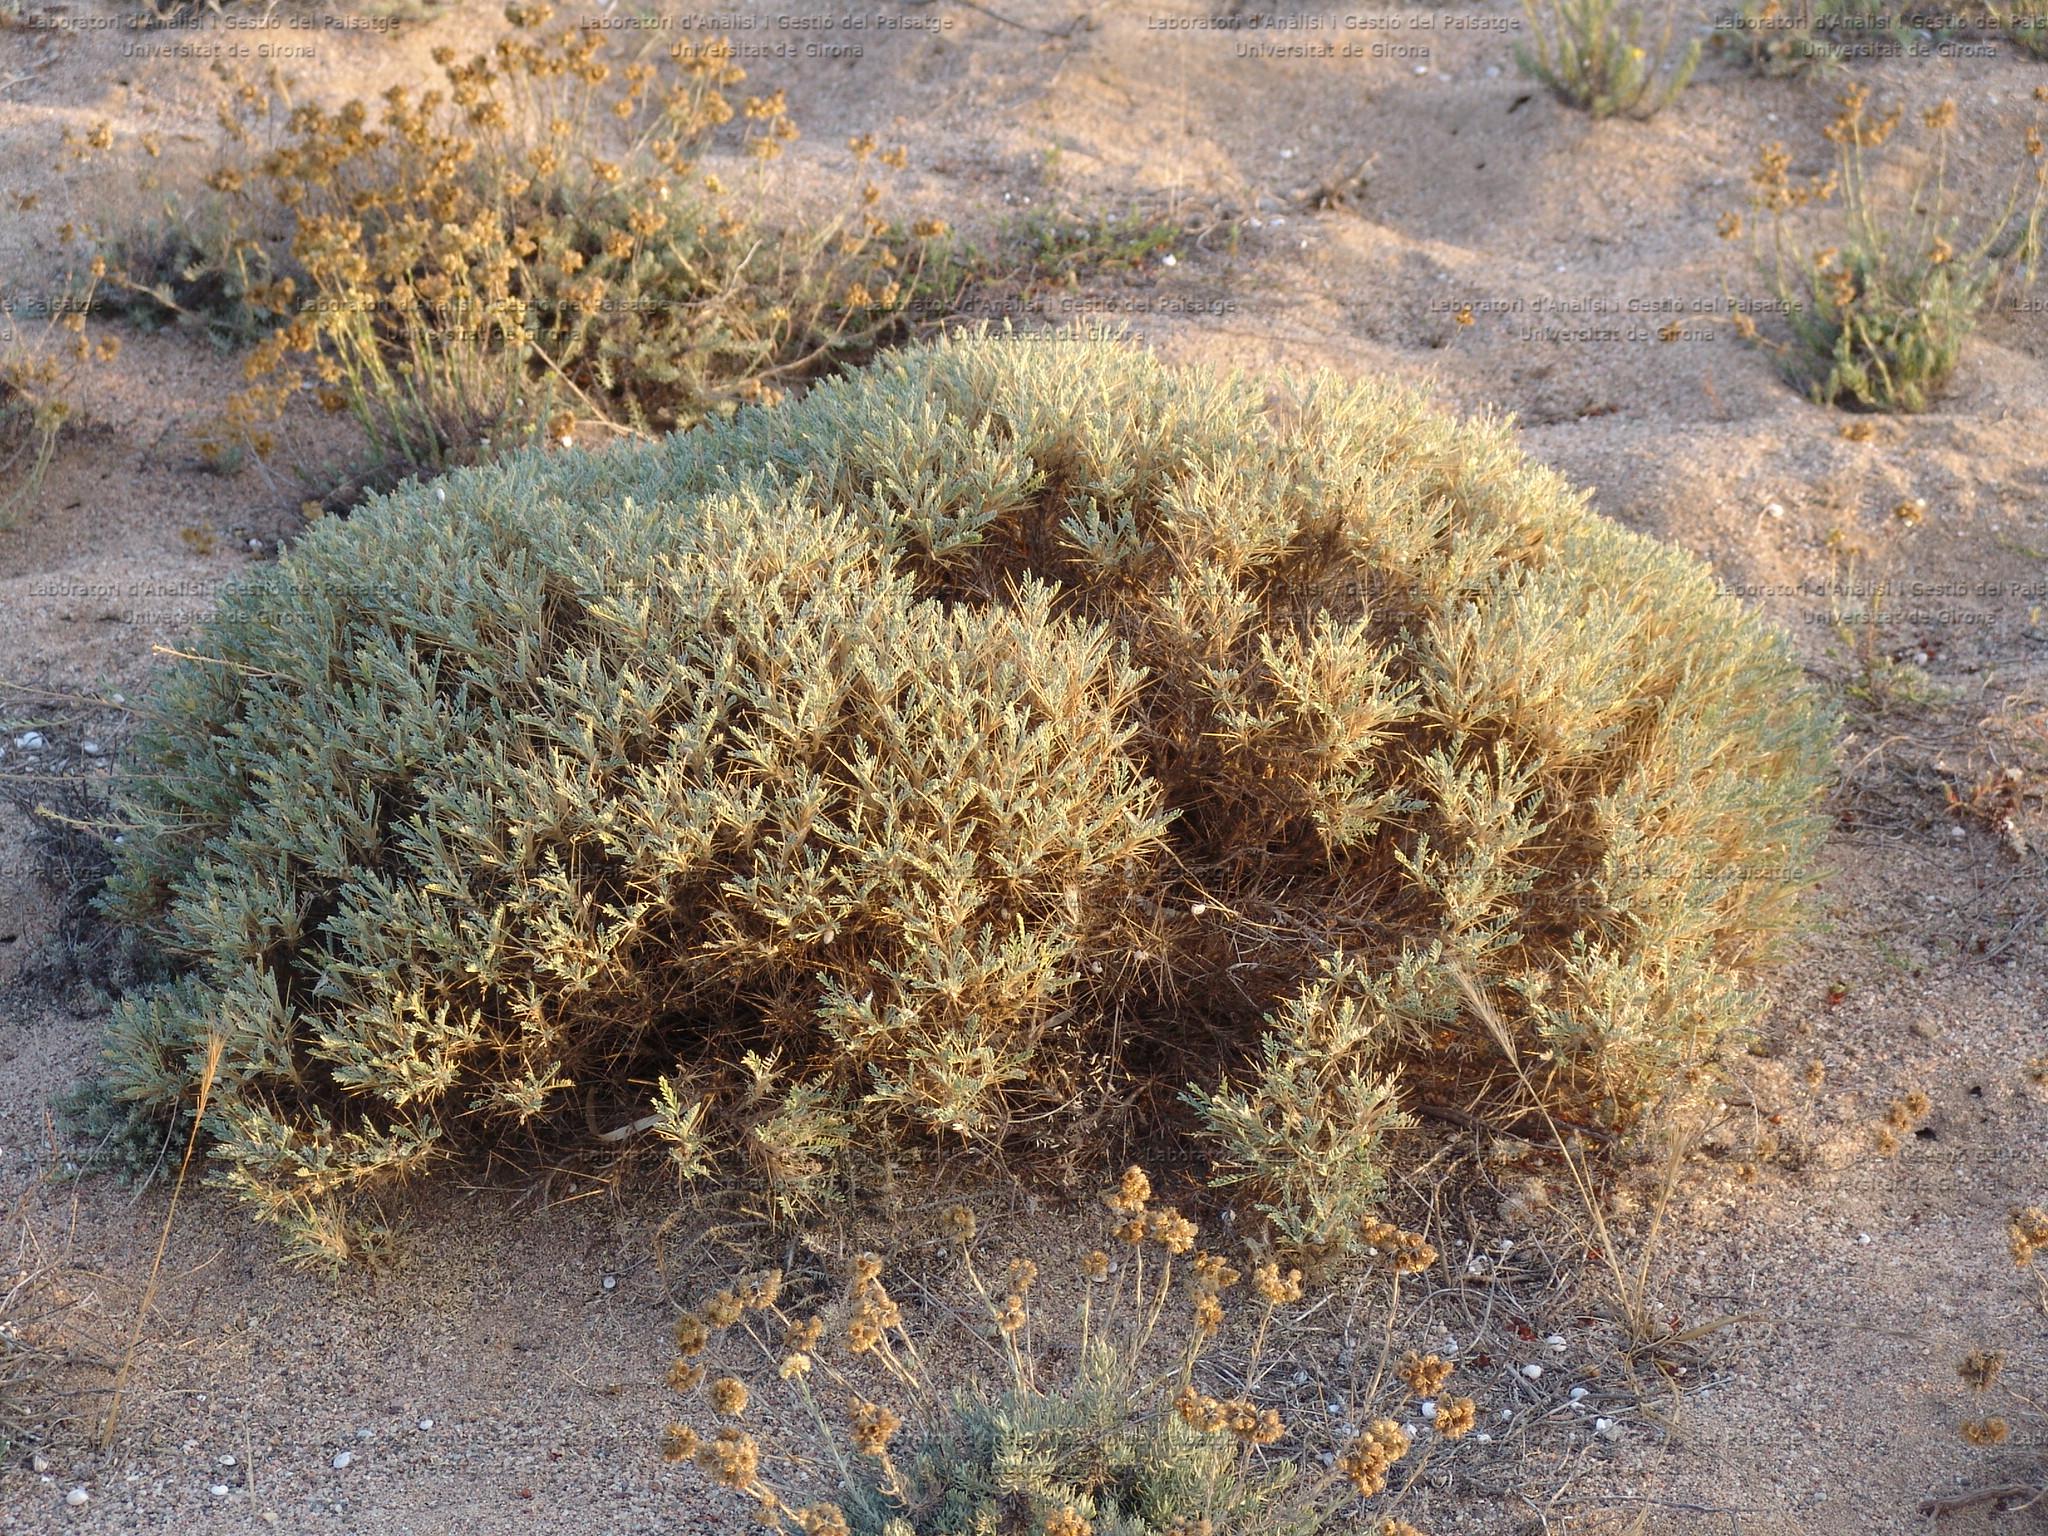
{"type": "Point", "coordinates": [2028, 1232]}
{"type": "Point", "coordinates": [529, 227]}
{"type": "Point", "coordinates": [1372, 1455]}
{"type": "Point", "coordinates": [1212, 1273]}
{"type": "Point", "coordinates": [1980, 1368]}
{"type": "Point", "coordinates": [1132, 1193]}
{"type": "Point", "coordinates": [1424, 1375]}
{"type": "Point", "coordinates": [1456, 1417]}
{"type": "Point", "coordinates": [874, 1425]}
{"type": "Point", "coordinates": [1409, 1253]}
{"type": "Point", "coordinates": [1853, 125]}
{"type": "Point", "coordinates": [1237, 1416]}
{"type": "Point", "coordinates": [1275, 1288]}
{"type": "Point", "coordinates": [823, 1520]}
{"type": "Point", "coordinates": [733, 1459]}
{"type": "Point", "coordinates": [1987, 1431]}
{"type": "Point", "coordinates": [874, 1313]}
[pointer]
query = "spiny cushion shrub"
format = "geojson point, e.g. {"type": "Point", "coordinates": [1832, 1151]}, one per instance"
{"type": "Point", "coordinates": [1010, 727]}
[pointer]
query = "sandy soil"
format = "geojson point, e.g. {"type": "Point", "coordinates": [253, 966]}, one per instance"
{"type": "Point", "coordinates": [505, 1375]}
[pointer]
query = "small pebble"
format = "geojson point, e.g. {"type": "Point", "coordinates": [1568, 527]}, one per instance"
{"type": "Point", "coordinates": [91, 748]}
{"type": "Point", "coordinates": [1532, 1370]}
{"type": "Point", "coordinates": [1429, 1409]}
{"type": "Point", "coordinates": [1169, 260]}
{"type": "Point", "coordinates": [426, 1423]}
{"type": "Point", "coordinates": [219, 1490]}
{"type": "Point", "coordinates": [78, 1498]}
{"type": "Point", "coordinates": [610, 1282]}
{"type": "Point", "coordinates": [1577, 1394]}
{"type": "Point", "coordinates": [30, 741]}
{"type": "Point", "coordinates": [343, 1459]}
{"type": "Point", "coordinates": [227, 1461]}
{"type": "Point", "coordinates": [1555, 1341]}
{"type": "Point", "coordinates": [39, 1462]}
{"type": "Point", "coordinates": [1483, 1438]}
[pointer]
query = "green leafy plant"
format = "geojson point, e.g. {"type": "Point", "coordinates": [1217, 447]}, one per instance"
{"type": "Point", "coordinates": [1591, 55]}
{"type": "Point", "coordinates": [1879, 313]}
{"type": "Point", "coordinates": [995, 736]}
{"type": "Point", "coordinates": [2024, 23]}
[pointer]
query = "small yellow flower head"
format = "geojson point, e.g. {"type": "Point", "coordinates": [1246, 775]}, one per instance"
{"type": "Point", "coordinates": [1172, 1231]}
{"type": "Point", "coordinates": [1939, 117]}
{"type": "Point", "coordinates": [1208, 1315]}
{"type": "Point", "coordinates": [959, 1223]}
{"type": "Point", "coordinates": [1214, 1274]}
{"type": "Point", "coordinates": [729, 1396]}
{"type": "Point", "coordinates": [1409, 1253]}
{"type": "Point", "coordinates": [874, 1425]}
{"type": "Point", "coordinates": [1730, 225]}
{"type": "Point", "coordinates": [1366, 1464]}
{"type": "Point", "coordinates": [723, 1310]}
{"type": "Point", "coordinates": [761, 1292]}
{"type": "Point", "coordinates": [801, 1338]}
{"type": "Point", "coordinates": [1131, 1194]}
{"type": "Point", "coordinates": [1068, 1522]}
{"type": "Point", "coordinates": [1455, 1417]}
{"type": "Point", "coordinates": [1201, 1412]}
{"type": "Point", "coordinates": [1096, 1265]}
{"type": "Point", "coordinates": [1980, 1369]}
{"type": "Point", "coordinates": [866, 1267]}
{"type": "Point", "coordinates": [1274, 1288]}
{"type": "Point", "coordinates": [2028, 1230]}
{"type": "Point", "coordinates": [1424, 1374]}
{"type": "Point", "coordinates": [1986, 1431]}
{"type": "Point", "coordinates": [692, 1335]}
{"type": "Point", "coordinates": [1392, 1527]}
{"type": "Point", "coordinates": [823, 1520]}
{"type": "Point", "coordinates": [679, 1443]}
{"type": "Point", "coordinates": [1022, 1272]}
{"type": "Point", "coordinates": [685, 1375]}
{"type": "Point", "coordinates": [1011, 1316]}
{"type": "Point", "coordinates": [733, 1459]}
{"type": "Point", "coordinates": [930, 229]}
{"type": "Point", "coordinates": [793, 1366]}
